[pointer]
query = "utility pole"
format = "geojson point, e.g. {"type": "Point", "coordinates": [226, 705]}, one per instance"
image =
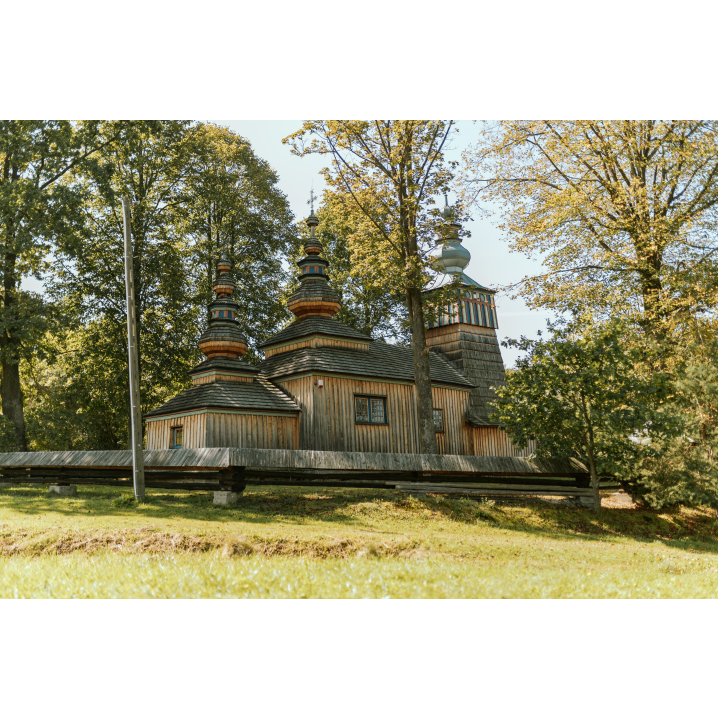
{"type": "Point", "coordinates": [138, 459]}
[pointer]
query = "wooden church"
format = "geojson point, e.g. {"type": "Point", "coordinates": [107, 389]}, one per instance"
{"type": "Point", "coordinates": [324, 386]}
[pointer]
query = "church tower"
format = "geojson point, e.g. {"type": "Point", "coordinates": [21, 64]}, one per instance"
{"type": "Point", "coordinates": [464, 326]}
{"type": "Point", "coordinates": [314, 297]}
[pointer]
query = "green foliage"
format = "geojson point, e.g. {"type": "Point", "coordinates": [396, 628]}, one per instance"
{"type": "Point", "coordinates": [149, 163]}
{"type": "Point", "coordinates": [622, 213]}
{"type": "Point", "coordinates": [235, 207]}
{"type": "Point", "coordinates": [196, 190]}
{"type": "Point", "coordinates": [684, 469]}
{"type": "Point", "coordinates": [40, 209]}
{"type": "Point", "coordinates": [584, 392]}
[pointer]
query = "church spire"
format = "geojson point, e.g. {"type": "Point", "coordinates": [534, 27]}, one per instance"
{"type": "Point", "coordinates": [314, 297]}
{"type": "Point", "coordinates": [223, 337]}
{"type": "Point", "coordinates": [450, 257]}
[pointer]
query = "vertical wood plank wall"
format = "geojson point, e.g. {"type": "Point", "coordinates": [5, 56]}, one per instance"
{"type": "Point", "coordinates": [194, 432]}
{"type": "Point", "coordinates": [492, 441]}
{"type": "Point", "coordinates": [327, 419]}
{"type": "Point", "coordinates": [327, 423]}
{"type": "Point", "coordinates": [252, 431]}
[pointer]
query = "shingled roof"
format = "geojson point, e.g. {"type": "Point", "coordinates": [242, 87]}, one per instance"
{"type": "Point", "coordinates": [314, 325]}
{"type": "Point", "coordinates": [258, 395]}
{"type": "Point", "coordinates": [382, 361]}
{"type": "Point", "coordinates": [224, 363]}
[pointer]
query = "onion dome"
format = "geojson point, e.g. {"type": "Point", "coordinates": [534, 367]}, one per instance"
{"type": "Point", "coordinates": [450, 257]}
{"type": "Point", "coordinates": [223, 337]}
{"type": "Point", "coordinates": [314, 297]}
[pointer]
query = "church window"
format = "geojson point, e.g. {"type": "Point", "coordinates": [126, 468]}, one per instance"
{"type": "Point", "coordinates": [370, 410]}
{"type": "Point", "coordinates": [176, 437]}
{"type": "Point", "coordinates": [439, 421]}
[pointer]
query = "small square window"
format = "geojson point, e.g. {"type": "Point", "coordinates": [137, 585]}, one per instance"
{"type": "Point", "coordinates": [370, 410]}
{"type": "Point", "coordinates": [439, 421]}
{"type": "Point", "coordinates": [176, 435]}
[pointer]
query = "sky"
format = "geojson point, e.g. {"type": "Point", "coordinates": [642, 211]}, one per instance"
{"type": "Point", "coordinates": [492, 263]}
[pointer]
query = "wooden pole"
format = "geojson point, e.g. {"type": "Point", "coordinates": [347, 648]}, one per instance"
{"type": "Point", "coordinates": [138, 460]}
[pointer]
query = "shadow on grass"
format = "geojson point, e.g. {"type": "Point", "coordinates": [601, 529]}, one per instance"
{"type": "Point", "coordinates": [258, 505]}
{"type": "Point", "coordinates": [694, 530]}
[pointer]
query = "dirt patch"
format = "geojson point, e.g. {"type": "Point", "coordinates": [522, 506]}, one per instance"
{"type": "Point", "coordinates": [136, 541]}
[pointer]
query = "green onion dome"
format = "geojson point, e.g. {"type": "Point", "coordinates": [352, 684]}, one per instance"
{"type": "Point", "coordinates": [450, 257]}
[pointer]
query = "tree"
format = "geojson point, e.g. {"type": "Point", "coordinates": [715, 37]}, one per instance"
{"type": "Point", "coordinates": [388, 173]}
{"type": "Point", "coordinates": [579, 393]}
{"type": "Point", "coordinates": [235, 207]}
{"type": "Point", "coordinates": [150, 163]}
{"type": "Point", "coordinates": [38, 209]}
{"type": "Point", "coordinates": [684, 469]}
{"type": "Point", "coordinates": [623, 213]}
{"type": "Point", "coordinates": [196, 191]}
{"type": "Point", "coordinates": [371, 307]}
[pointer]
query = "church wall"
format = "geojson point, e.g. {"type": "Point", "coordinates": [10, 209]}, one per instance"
{"type": "Point", "coordinates": [327, 419]}
{"type": "Point", "coordinates": [209, 430]}
{"type": "Point", "coordinates": [492, 441]}
{"type": "Point", "coordinates": [454, 405]}
{"type": "Point", "coordinates": [194, 431]}
{"type": "Point", "coordinates": [253, 431]}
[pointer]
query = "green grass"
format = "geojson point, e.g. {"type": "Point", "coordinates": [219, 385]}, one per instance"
{"type": "Point", "coordinates": [289, 542]}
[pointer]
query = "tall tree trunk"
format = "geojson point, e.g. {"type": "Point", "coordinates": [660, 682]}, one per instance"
{"type": "Point", "coordinates": [10, 389]}
{"type": "Point", "coordinates": [422, 373]}
{"type": "Point", "coordinates": [12, 398]}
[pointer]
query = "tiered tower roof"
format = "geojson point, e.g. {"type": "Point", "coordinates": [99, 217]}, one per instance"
{"type": "Point", "coordinates": [314, 297]}
{"type": "Point", "coordinates": [223, 337]}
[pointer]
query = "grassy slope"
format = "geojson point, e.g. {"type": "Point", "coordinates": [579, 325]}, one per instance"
{"type": "Point", "coordinates": [353, 543]}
